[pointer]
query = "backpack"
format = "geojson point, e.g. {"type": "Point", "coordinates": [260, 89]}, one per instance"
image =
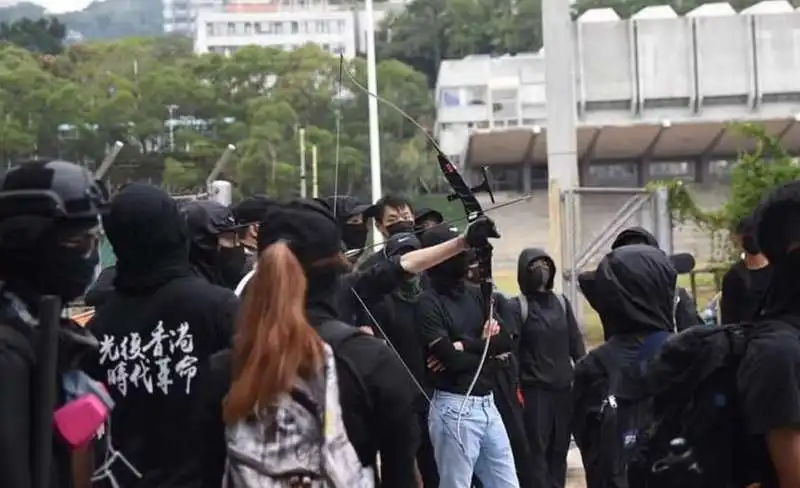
{"type": "Point", "coordinates": [615, 425]}
{"type": "Point", "coordinates": [523, 304]}
{"type": "Point", "coordinates": [298, 442]}
{"type": "Point", "coordinates": [697, 436]}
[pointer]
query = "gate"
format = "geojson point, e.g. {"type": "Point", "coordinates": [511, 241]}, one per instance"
{"type": "Point", "coordinates": [592, 217]}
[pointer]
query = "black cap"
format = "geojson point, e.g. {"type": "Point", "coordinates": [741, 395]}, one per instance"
{"type": "Point", "coordinates": [309, 228]}
{"type": "Point", "coordinates": [425, 213]}
{"type": "Point", "coordinates": [345, 206]}
{"type": "Point", "coordinates": [252, 210]}
{"type": "Point", "coordinates": [401, 243]}
{"type": "Point", "coordinates": [208, 217]}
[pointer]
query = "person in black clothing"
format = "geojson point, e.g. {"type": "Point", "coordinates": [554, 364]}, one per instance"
{"type": "Point", "coordinates": [384, 422]}
{"type": "Point", "coordinates": [249, 213]}
{"type": "Point", "coordinates": [49, 238]}
{"type": "Point", "coordinates": [686, 313]}
{"type": "Point", "coordinates": [214, 250]}
{"type": "Point", "coordinates": [395, 320]}
{"type": "Point", "coordinates": [636, 286]}
{"type": "Point", "coordinates": [769, 374]}
{"type": "Point", "coordinates": [466, 429]}
{"type": "Point", "coordinates": [393, 215]}
{"type": "Point", "coordinates": [156, 334]}
{"type": "Point", "coordinates": [102, 288]}
{"type": "Point", "coordinates": [745, 284]}
{"type": "Point", "coordinates": [550, 341]}
{"type": "Point", "coordinates": [353, 217]}
{"type": "Point", "coordinates": [425, 218]}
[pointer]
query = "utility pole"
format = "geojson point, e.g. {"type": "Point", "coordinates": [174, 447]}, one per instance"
{"type": "Point", "coordinates": [314, 174]}
{"type": "Point", "coordinates": [172, 109]}
{"type": "Point", "coordinates": [302, 135]}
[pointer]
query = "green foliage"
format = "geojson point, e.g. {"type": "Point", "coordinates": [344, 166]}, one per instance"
{"type": "Point", "coordinates": [76, 104]}
{"type": "Point", "coordinates": [44, 36]}
{"type": "Point", "coordinates": [753, 175]}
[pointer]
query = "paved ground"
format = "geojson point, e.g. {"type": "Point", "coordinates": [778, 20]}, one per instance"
{"type": "Point", "coordinates": [575, 477]}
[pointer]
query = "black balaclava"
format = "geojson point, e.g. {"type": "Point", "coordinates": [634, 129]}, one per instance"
{"type": "Point", "coordinates": [205, 221]}
{"type": "Point", "coordinates": [34, 262]}
{"type": "Point", "coordinates": [312, 234]}
{"type": "Point", "coordinates": [447, 277]}
{"type": "Point", "coordinates": [149, 238]}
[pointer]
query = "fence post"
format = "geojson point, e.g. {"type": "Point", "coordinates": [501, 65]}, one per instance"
{"type": "Point", "coordinates": [663, 220]}
{"type": "Point", "coordinates": [556, 232]}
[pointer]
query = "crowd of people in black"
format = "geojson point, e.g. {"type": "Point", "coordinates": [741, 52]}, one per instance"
{"type": "Point", "coordinates": [267, 345]}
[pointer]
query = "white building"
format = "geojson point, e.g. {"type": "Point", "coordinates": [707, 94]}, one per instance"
{"type": "Point", "coordinates": [284, 26]}
{"type": "Point", "coordinates": [180, 15]}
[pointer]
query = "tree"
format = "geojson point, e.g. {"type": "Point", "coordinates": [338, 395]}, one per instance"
{"type": "Point", "coordinates": [77, 103]}
{"type": "Point", "coordinates": [44, 36]}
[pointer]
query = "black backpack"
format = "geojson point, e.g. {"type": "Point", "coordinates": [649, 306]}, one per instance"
{"type": "Point", "coordinates": [616, 424]}
{"type": "Point", "coordinates": [697, 436]}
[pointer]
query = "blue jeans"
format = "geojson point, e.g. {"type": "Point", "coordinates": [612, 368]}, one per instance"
{"type": "Point", "coordinates": [483, 446]}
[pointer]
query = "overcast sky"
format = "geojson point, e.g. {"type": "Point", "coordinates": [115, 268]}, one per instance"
{"type": "Point", "coordinates": [59, 6]}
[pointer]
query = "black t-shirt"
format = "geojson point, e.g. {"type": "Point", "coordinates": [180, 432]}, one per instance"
{"type": "Point", "coordinates": [743, 291]}
{"type": "Point", "coordinates": [458, 317]}
{"type": "Point", "coordinates": [769, 388]}
{"type": "Point", "coordinates": [153, 357]}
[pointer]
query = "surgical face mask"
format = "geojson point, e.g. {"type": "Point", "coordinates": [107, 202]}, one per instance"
{"type": "Point", "coordinates": [402, 226]}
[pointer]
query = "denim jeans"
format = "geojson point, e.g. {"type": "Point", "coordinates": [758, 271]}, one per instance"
{"type": "Point", "coordinates": [483, 446]}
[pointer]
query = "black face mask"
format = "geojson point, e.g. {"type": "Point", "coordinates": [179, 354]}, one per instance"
{"type": "Point", "coordinates": [68, 273]}
{"type": "Point", "coordinates": [231, 265]}
{"type": "Point", "coordinates": [537, 277]}
{"type": "Point", "coordinates": [402, 226]}
{"type": "Point", "coordinates": [354, 235]}
{"type": "Point", "coordinates": [451, 271]}
{"type": "Point", "coordinates": [749, 245]}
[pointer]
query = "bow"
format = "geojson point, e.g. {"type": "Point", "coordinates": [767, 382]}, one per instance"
{"type": "Point", "coordinates": [473, 210]}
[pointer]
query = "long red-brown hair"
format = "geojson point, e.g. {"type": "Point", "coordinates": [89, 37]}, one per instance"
{"type": "Point", "coordinates": [274, 343]}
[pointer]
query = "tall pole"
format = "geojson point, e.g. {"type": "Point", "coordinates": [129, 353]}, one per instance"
{"type": "Point", "coordinates": [562, 160]}
{"type": "Point", "coordinates": [314, 174]}
{"type": "Point", "coordinates": [302, 135]}
{"type": "Point", "coordinates": [374, 129]}
{"type": "Point", "coordinates": [172, 109]}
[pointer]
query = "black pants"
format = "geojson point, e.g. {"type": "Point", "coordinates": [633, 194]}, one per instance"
{"type": "Point", "coordinates": [547, 419]}
{"type": "Point", "coordinates": [426, 462]}
{"type": "Point", "coordinates": [507, 402]}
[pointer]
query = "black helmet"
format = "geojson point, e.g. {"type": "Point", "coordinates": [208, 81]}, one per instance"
{"type": "Point", "coordinates": [56, 189]}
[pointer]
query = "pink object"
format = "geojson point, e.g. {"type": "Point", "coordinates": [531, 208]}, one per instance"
{"type": "Point", "coordinates": [78, 421]}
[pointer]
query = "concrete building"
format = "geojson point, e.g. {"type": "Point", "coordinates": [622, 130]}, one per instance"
{"type": "Point", "coordinates": [655, 96]}
{"type": "Point", "coordinates": [288, 25]}
{"type": "Point", "coordinates": [180, 15]}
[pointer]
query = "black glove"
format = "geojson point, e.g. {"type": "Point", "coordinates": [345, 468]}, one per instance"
{"type": "Point", "coordinates": [480, 231]}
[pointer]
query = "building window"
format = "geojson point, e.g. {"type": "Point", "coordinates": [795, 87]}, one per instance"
{"type": "Point", "coordinates": [248, 28]}
{"type": "Point", "coordinates": [231, 29]}
{"type": "Point", "coordinates": [277, 27]}
{"type": "Point", "coordinates": [295, 27]}
{"type": "Point", "coordinates": [209, 29]}
{"type": "Point", "coordinates": [669, 169]}
{"type": "Point", "coordinates": [340, 26]}
{"type": "Point", "coordinates": [321, 27]}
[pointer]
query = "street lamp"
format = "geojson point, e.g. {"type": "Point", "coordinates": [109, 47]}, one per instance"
{"type": "Point", "coordinates": [172, 109]}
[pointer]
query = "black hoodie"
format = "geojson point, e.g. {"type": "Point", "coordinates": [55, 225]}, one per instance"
{"type": "Point", "coordinates": [636, 296]}
{"type": "Point", "coordinates": [550, 338]}
{"type": "Point", "coordinates": [156, 332]}
{"type": "Point", "coordinates": [685, 315]}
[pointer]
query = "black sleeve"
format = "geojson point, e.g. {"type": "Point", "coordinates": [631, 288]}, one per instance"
{"type": "Point", "coordinates": [15, 419]}
{"type": "Point", "coordinates": [433, 334]}
{"type": "Point", "coordinates": [731, 296]}
{"type": "Point", "coordinates": [374, 282]}
{"type": "Point", "coordinates": [397, 424]}
{"type": "Point", "coordinates": [102, 288]}
{"type": "Point", "coordinates": [769, 382]}
{"type": "Point", "coordinates": [498, 344]}
{"type": "Point", "coordinates": [577, 348]}
{"type": "Point", "coordinates": [686, 314]}
{"type": "Point", "coordinates": [225, 320]}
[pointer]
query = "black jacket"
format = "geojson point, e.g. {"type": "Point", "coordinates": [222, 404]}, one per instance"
{"type": "Point", "coordinates": [157, 332]}
{"type": "Point", "coordinates": [636, 287]}
{"type": "Point", "coordinates": [102, 288]}
{"type": "Point", "coordinates": [550, 339]}
{"type": "Point", "coordinates": [686, 312]}
{"type": "Point", "coordinates": [18, 346]}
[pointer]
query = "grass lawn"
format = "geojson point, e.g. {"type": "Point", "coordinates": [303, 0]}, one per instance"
{"type": "Point", "coordinates": [507, 283]}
